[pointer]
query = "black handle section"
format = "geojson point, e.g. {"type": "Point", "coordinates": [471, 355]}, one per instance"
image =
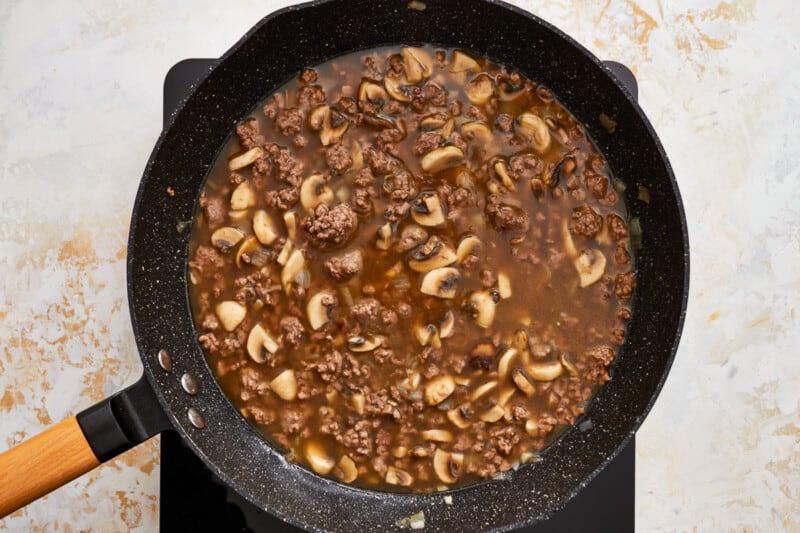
{"type": "Point", "coordinates": [124, 420]}
{"type": "Point", "coordinates": [625, 77]}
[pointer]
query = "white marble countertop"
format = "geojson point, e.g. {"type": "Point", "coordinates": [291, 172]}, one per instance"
{"type": "Point", "coordinates": [80, 109]}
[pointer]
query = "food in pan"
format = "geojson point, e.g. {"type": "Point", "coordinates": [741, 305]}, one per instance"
{"type": "Point", "coordinates": [411, 268]}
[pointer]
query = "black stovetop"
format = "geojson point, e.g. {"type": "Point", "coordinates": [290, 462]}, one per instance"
{"type": "Point", "coordinates": [193, 499]}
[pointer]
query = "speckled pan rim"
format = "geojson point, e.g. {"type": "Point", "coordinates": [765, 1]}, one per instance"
{"type": "Point", "coordinates": [151, 368]}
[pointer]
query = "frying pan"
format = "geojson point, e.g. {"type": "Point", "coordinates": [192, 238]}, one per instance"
{"type": "Point", "coordinates": [178, 392]}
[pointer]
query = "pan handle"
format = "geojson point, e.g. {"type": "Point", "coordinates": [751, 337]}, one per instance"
{"type": "Point", "coordinates": [78, 444]}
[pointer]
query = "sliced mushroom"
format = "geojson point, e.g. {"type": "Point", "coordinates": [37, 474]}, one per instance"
{"type": "Point", "coordinates": [535, 129]}
{"type": "Point", "coordinates": [503, 285]}
{"type": "Point", "coordinates": [544, 371]}
{"type": "Point", "coordinates": [318, 459]}
{"type": "Point", "coordinates": [248, 246]}
{"type": "Point", "coordinates": [237, 215]}
{"type": "Point", "coordinates": [493, 414]}
{"type": "Point", "coordinates": [329, 133]}
{"type": "Point", "coordinates": [478, 132]}
{"type": "Point", "coordinates": [396, 476]}
{"type": "Point", "coordinates": [424, 334]}
{"type": "Point", "coordinates": [504, 362]}
{"type": "Point", "coordinates": [480, 89]}
{"type": "Point", "coordinates": [315, 191]}
{"type": "Point", "coordinates": [484, 304]}
{"type": "Point", "coordinates": [522, 382]}
{"type": "Point", "coordinates": [448, 128]}
{"type": "Point", "coordinates": [230, 314]}
{"type": "Point", "coordinates": [532, 427]}
{"type": "Point", "coordinates": [433, 122]}
{"type": "Point", "coordinates": [418, 64]}
{"type": "Point", "coordinates": [319, 309]}
{"type": "Point", "coordinates": [264, 227]}
{"type": "Point", "coordinates": [591, 266]}
{"type": "Point", "coordinates": [384, 238]}
{"type": "Point", "coordinates": [436, 435]}
{"type": "Point", "coordinates": [457, 417]}
{"type": "Point", "coordinates": [294, 265]}
{"type": "Point", "coordinates": [501, 169]}
{"type": "Point", "coordinates": [433, 254]}
{"type": "Point", "coordinates": [245, 159]}
{"type": "Point", "coordinates": [359, 402]}
{"type": "Point", "coordinates": [226, 238]}
{"type": "Point", "coordinates": [346, 470]}
{"type": "Point", "coordinates": [428, 210]}
{"type": "Point", "coordinates": [258, 341]}
{"type": "Point", "coordinates": [369, 91]}
{"type": "Point", "coordinates": [503, 397]}
{"type": "Point", "coordinates": [438, 389]}
{"type": "Point", "coordinates": [360, 343]}
{"type": "Point", "coordinates": [285, 385]}
{"type": "Point", "coordinates": [399, 451]}
{"type": "Point", "coordinates": [508, 91]}
{"type": "Point", "coordinates": [468, 246]}
{"type": "Point", "coordinates": [447, 466]}
{"type": "Point", "coordinates": [318, 116]}
{"type": "Point", "coordinates": [441, 158]}
{"type": "Point", "coordinates": [566, 236]}
{"type": "Point", "coordinates": [568, 362]}
{"type": "Point", "coordinates": [397, 89]}
{"type": "Point", "coordinates": [447, 325]}
{"type": "Point", "coordinates": [283, 256]}
{"type": "Point", "coordinates": [482, 390]}
{"type": "Point", "coordinates": [463, 63]}
{"type": "Point", "coordinates": [440, 282]}
{"type": "Point", "coordinates": [243, 197]}
{"type": "Point", "coordinates": [290, 221]}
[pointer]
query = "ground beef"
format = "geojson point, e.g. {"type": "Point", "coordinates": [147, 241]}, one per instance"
{"type": "Point", "coordinates": [210, 322]}
{"type": "Point", "coordinates": [284, 166]}
{"type": "Point", "coordinates": [411, 237]}
{"type": "Point", "coordinates": [338, 158]}
{"type": "Point", "coordinates": [250, 134]}
{"type": "Point", "coordinates": [309, 75]}
{"type": "Point", "coordinates": [387, 138]}
{"type": "Point", "coordinates": [367, 312]}
{"type": "Point", "coordinates": [458, 141]}
{"type": "Point", "coordinates": [379, 162]}
{"type": "Point", "coordinates": [300, 141]}
{"type": "Point", "coordinates": [330, 227]}
{"type": "Point", "coordinates": [364, 178]}
{"type": "Point", "coordinates": [292, 330]}
{"type": "Point", "coordinates": [435, 94]}
{"type": "Point", "coordinates": [488, 277]}
{"type": "Point", "coordinates": [525, 167]}
{"type": "Point", "coordinates": [598, 185]}
{"type": "Point", "coordinates": [474, 113]}
{"type": "Point", "coordinates": [206, 260]}
{"type": "Point", "coordinates": [345, 266]}
{"type": "Point", "coordinates": [401, 187]}
{"type": "Point", "coordinates": [393, 107]}
{"type": "Point", "coordinates": [621, 255]}
{"type": "Point", "coordinates": [585, 221]}
{"type": "Point", "coordinates": [261, 415]}
{"type": "Point", "coordinates": [214, 209]}
{"type": "Point", "coordinates": [293, 419]}
{"type": "Point", "coordinates": [617, 227]}
{"type": "Point", "coordinates": [504, 122]}
{"type": "Point", "coordinates": [602, 354]}
{"type": "Point", "coordinates": [347, 104]}
{"type": "Point", "coordinates": [506, 217]}
{"type": "Point", "coordinates": [330, 365]}
{"type": "Point", "coordinates": [289, 121]}
{"type": "Point", "coordinates": [624, 284]}
{"type": "Point", "coordinates": [504, 438]}
{"type": "Point", "coordinates": [283, 198]}
{"type": "Point", "coordinates": [252, 383]}
{"type": "Point", "coordinates": [313, 95]}
{"type": "Point", "coordinates": [358, 439]}
{"type": "Point", "coordinates": [362, 201]}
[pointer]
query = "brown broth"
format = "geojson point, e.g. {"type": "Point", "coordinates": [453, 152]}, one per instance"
{"type": "Point", "coordinates": [562, 321]}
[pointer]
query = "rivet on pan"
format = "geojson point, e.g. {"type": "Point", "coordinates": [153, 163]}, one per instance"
{"type": "Point", "coordinates": [165, 360]}
{"type": "Point", "coordinates": [196, 418]}
{"type": "Point", "coordinates": [189, 383]}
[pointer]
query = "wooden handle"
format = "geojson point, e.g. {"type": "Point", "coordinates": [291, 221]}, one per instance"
{"type": "Point", "coordinates": [42, 464]}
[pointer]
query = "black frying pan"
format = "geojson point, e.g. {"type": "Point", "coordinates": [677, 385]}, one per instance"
{"type": "Point", "coordinates": [178, 391]}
